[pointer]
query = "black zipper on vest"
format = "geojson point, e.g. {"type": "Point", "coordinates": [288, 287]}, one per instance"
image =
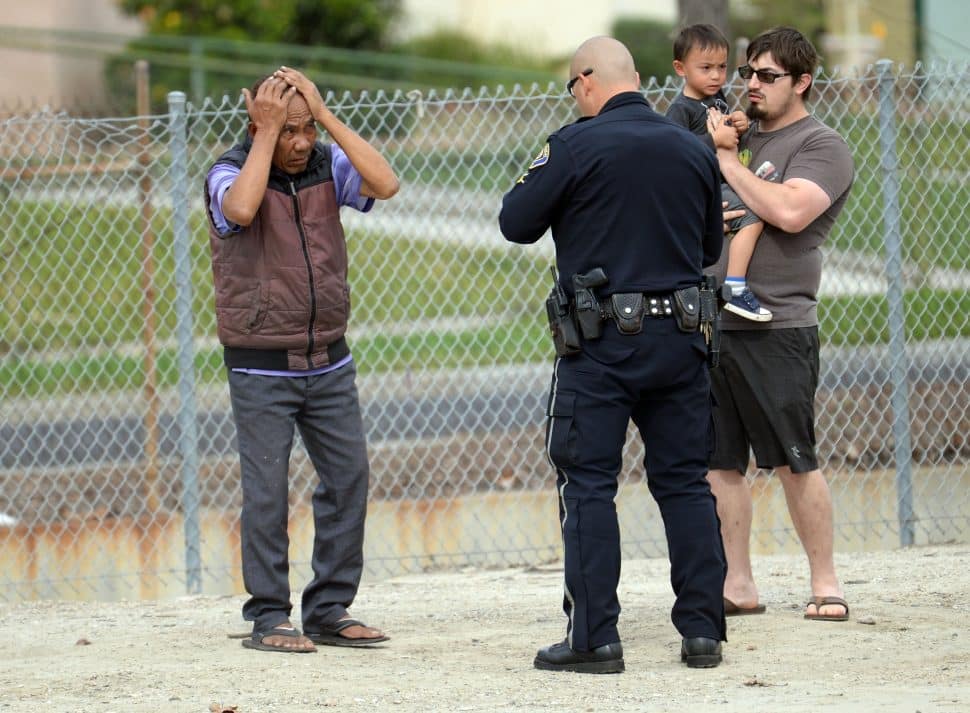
{"type": "Point", "coordinates": [309, 269]}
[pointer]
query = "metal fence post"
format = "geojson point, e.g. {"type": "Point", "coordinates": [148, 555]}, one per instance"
{"type": "Point", "coordinates": [898, 361]}
{"type": "Point", "coordinates": [188, 438]}
{"type": "Point", "coordinates": [197, 70]}
{"type": "Point", "coordinates": [145, 191]}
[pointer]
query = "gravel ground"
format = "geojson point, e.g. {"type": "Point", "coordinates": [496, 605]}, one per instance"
{"type": "Point", "coordinates": [464, 642]}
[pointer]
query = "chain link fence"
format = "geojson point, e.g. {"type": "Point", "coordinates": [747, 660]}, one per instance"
{"type": "Point", "coordinates": [118, 474]}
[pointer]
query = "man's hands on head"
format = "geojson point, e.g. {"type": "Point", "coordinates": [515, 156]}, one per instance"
{"type": "Point", "coordinates": [304, 86]}
{"type": "Point", "coordinates": [377, 176]}
{"type": "Point", "coordinates": [267, 110]}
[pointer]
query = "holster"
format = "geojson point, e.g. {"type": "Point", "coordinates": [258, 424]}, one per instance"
{"type": "Point", "coordinates": [588, 314]}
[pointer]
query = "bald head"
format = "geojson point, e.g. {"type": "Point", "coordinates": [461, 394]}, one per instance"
{"type": "Point", "coordinates": [610, 61]}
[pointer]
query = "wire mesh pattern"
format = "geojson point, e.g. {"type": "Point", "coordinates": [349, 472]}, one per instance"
{"type": "Point", "coordinates": [118, 474]}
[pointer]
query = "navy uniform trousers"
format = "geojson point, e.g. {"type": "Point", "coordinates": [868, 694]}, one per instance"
{"type": "Point", "coordinates": [658, 378]}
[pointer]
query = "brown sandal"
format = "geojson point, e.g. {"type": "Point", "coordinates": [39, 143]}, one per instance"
{"type": "Point", "coordinates": [820, 602]}
{"type": "Point", "coordinates": [257, 641]}
{"type": "Point", "coordinates": [332, 635]}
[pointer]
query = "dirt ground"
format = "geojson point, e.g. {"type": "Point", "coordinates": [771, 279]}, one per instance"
{"type": "Point", "coordinates": [465, 641]}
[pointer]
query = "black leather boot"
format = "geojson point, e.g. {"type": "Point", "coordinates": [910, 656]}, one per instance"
{"type": "Point", "coordinates": [700, 652]}
{"type": "Point", "coordinates": [559, 657]}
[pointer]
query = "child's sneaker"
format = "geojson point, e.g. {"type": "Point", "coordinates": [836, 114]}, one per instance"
{"type": "Point", "coordinates": [746, 305]}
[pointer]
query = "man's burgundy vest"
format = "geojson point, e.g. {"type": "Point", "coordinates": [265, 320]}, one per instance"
{"type": "Point", "coordinates": [281, 292]}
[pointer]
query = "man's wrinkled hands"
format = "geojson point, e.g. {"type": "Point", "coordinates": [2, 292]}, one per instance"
{"type": "Point", "coordinates": [305, 87]}
{"type": "Point", "coordinates": [267, 110]}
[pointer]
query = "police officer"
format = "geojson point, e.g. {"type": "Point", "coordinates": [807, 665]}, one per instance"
{"type": "Point", "coordinates": [628, 192]}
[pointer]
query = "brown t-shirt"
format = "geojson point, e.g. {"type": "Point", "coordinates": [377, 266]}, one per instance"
{"type": "Point", "coordinates": [786, 268]}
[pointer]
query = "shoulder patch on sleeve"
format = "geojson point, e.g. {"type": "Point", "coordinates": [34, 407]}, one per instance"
{"type": "Point", "coordinates": [541, 159]}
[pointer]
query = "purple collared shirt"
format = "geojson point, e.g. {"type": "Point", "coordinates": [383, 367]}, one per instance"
{"type": "Point", "coordinates": [309, 372]}
{"type": "Point", "coordinates": [346, 181]}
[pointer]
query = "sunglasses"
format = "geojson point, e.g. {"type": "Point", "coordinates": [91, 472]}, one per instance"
{"type": "Point", "coordinates": [746, 71]}
{"type": "Point", "coordinates": [572, 82]}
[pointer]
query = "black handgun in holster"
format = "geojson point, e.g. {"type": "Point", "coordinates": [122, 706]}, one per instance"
{"type": "Point", "coordinates": [588, 311]}
{"type": "Point", "coordinates": [565, 336]}
{"type": "Point", "coordinates": [712, 299]}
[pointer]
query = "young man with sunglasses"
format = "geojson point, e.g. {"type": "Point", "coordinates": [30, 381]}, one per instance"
{"type": "Point", "coordinates": [765, 387]}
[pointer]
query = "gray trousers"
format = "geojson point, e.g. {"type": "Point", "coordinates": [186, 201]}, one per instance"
{"type": "Point", "coordinates": [326, 410]}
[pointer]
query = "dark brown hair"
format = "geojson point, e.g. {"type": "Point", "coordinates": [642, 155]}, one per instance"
{"type": "Point", "coordinates": [790, 49]}
{"type": "Point", "coordinates": [700, 36]}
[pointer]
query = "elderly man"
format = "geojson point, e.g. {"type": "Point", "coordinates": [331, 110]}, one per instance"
{"type": "Point", "coordinates": [279, 262]}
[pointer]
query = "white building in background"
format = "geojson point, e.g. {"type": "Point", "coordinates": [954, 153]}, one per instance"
{"type": "Point", "coordinates": [34, 79]}
{"type": "Point", "coordinates": [946, 32]}
{"type": "Point", "coordinates": [546, 27]}
{"type": "Point", "coordinates": [859, 32]}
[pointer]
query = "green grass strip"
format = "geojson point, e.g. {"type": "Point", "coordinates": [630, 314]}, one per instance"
{"type": "Point", "coordinates": [844, 321]}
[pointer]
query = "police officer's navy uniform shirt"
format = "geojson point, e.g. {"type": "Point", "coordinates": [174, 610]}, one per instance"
{"type": "Point", "coordinates": [626, 190]}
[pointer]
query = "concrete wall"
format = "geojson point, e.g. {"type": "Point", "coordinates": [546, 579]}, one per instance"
{"type": "Point", "coordinates": [123, 558]}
